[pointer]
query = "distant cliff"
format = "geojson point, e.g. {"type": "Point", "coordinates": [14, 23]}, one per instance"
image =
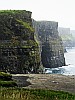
{"type": "Point", "coordinates": [52, 53]}
{"type": "Point", "coordinates": [19, 50]}
{"type": "Point", "coordinates": [67, 37]}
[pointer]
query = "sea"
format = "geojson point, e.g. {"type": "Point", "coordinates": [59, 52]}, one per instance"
{"type": "Point", "coordinates": [69, 69]}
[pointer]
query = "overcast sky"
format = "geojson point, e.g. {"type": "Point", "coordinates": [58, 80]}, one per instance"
{"type": "Point", "coordinates": [62, 11]}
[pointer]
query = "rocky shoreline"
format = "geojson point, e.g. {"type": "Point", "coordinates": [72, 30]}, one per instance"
{"type": "Point", "coordinates": [46, 81]}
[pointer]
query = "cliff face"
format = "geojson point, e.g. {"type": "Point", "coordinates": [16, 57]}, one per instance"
{"type": "Point", "coordinates": [52, 54]}
{"type": "Point", "coordinates": [23, 47]}
{"type": "Point", "coordinates": [19, 50]}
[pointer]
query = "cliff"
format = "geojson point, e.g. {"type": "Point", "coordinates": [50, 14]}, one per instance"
{"type": "Point", "coordinates": [67, 37]}
{"type": "Point", "coordinates": [19, 50]}
{"type": "Point", "coordinates": [51, 47]}
{"type": "Point", "coordinates": [24, 48]}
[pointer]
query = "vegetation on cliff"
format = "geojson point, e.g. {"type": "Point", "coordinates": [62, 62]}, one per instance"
{"type": "Point", "coordinates": [26, 25]}
{"type": "Point", "coordinates": [67, 37]}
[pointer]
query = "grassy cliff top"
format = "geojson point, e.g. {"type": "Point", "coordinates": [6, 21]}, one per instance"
{"type": "Point", "coordinates": [14, 11]}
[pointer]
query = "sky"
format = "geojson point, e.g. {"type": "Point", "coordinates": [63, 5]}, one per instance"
{"type": "Point", "coordinates": [61, 11]}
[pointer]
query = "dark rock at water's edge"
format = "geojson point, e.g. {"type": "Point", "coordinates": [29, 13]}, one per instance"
{"type": "Point", "coordinates": [19, 50]}
{"type": "Point", "coordinates": [51, 46]}
{"type": "Point", "coordinates": [65, 50]}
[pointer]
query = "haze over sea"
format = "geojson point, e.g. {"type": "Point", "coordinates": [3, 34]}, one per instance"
{"type": "Point", "coordinates": [69, 69]}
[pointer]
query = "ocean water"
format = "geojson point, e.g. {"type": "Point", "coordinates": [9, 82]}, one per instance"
{"type": "Point", "coordinates": [69, 69]}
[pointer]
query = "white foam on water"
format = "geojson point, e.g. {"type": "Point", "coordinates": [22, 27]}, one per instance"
{"type": "Point", "coordinates": [70, 62]}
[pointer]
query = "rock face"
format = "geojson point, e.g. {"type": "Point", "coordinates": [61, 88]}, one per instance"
{"type": "Point", "coordinates": [52, 54]}
{"type": "Point", "coordinates": [19, 50]}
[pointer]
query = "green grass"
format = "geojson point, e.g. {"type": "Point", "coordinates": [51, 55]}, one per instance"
{"type": "Point", "coordinates": [12, 11]}
{"type": "Point", "coordinates": [6, 80]}
{"type": "Point", "coordinates": [33, 94]}
{"type": "Point", "coordinates": [7, 84]}
{"type": "Point", "coordinates": [5, 76]}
